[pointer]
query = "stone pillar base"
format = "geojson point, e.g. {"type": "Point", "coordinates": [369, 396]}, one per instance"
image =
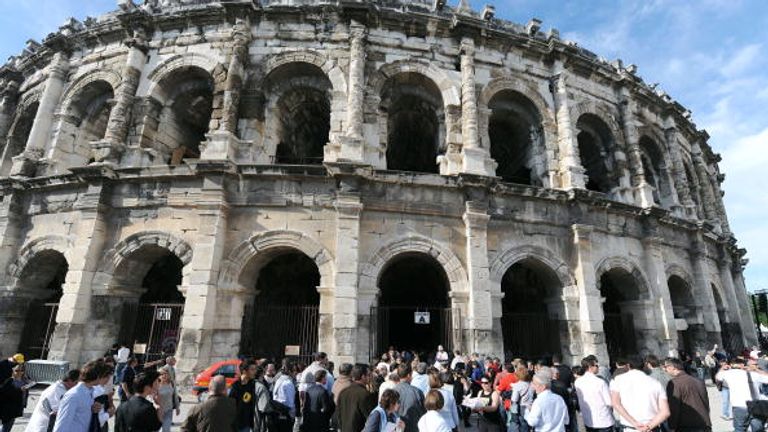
{"type": "Point", "coordinates": [477, 161]}
{"type": "Point", "coordinates": [220, 145]}
{"type": "Point", "coordinates": [345, 149]}
{"type": "Point", "coordinates": [572, 177]}
{"type": "Point", "coordinates": [106, 151]}
{"type": "Point", "coordinates": [24, 165]}
{"type": "Point", "coordinates": [192, 354]}
{"type": "Point", "coordinates": [13, 318]}
{"type": "Point", "coordinates": [137, 157]}
{"type": "Point", "coordinates": [644, 195]}
{"type": "Point", "coordinates": [450, 163]}
{"type": "Point", "coordinates": [67, 344]}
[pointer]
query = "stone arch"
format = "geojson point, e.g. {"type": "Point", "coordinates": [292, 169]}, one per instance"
{"type": "Point", "coordinates": [18, 132]}
{"type": "Point", "coordinates": [27, 252]}
{"type": "Point", "coordinates": [448, 89]}
{"type": "Point", "coordinates": [508, 258]}
{"type": "Point", "coordinates": [657, 165]}
{"type": "Point", "coordinates": [605, 113]}
{"type": "Point", "coordinates": [679, 271]}
{"type": "Point", "coordinates": [242, 265]}
{"type": "Point", "coordinates": [85, 79]}
{"type": "Point", "coordinates": [178, 62]}
{"type": "Point", "coordinates": [334, 73]}
{"type": "Point", "coordinates": [454, 270]}
{"type": "Point", "coordinates": [612, 263]}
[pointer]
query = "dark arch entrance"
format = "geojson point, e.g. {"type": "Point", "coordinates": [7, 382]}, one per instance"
{"type": "Point", "coordinates": [42, 280]}
{"type": "Point", "coordinates": [619, 289]}
{"type": "Point", "coordinates": [693, 338]}
{"type": "Point", "coordinates": [285, 310]}
{"type": "Point", "coordinates": [411, 283]}
{"type": "Point", "coordinates": [529, 322]}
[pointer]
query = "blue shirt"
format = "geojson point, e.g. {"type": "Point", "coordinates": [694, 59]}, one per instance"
{"type": "Point", "coordinates": [285, 393]}
{"type": "Point", "coordinates": [75, 410]}
{"type": "Point", "coordinates": [421, 382]}
{"type": "Point", "coordinates": [548, 413]}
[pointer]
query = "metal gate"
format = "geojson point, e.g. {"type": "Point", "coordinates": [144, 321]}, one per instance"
{"type": "Point", "coordinates": [620, 338]}
{"type": "Point", "coordinates": [268, 329]}
{"type": "Point", "coordinates": [448, 332]}
{"type": "Point", "coordinates": [530, 335]}
{"type": "Point", "coordinates": [38, 330]}
{"type": "Point", "coordinates": [153, 328]}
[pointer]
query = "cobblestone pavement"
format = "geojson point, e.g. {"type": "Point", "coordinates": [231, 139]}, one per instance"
{"type": "Point", "coordinates": [718, 424]}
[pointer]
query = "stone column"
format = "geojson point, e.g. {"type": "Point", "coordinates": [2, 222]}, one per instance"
{"type": "Point", "coordinates": [200, 285]}
{"type": "Point", "coordinates": [627, 108]}
{"type": "Point", "coordinates": [345, 294]}
{"type": "Point", "coordinates": [703, 294]}
{"type": "Point", "coordinates": [720, 207]}
{"type": "Point", "coordinates": [13, 304]}
{"type": "Point", "coordinates": [678, 174]}
{"type": "Point", "coordinates": [707, 195]}
{"type": "Point", "coordinates": [480, 319]}
{"type": "Point", "coordinates": [591, 302]}
{"type": "Point", "coordinates": [733, 286]}
{"type": "Point", "coordinates": [571, 170]}
{"type": "Point", "coordinates": [111, 147]}
{"type": "Point", "coordinates": [75, 305]}
{"type": "Point", "coordinates": [9, 93]}
{"type": "Point", "coordinates": [26, 163]}
{"type": "Point", "coordinates": [475, 159]}
{"type": "Point", "coordinates": [222, 143]}
{"type": "Point", "coordinates": [661, 313]}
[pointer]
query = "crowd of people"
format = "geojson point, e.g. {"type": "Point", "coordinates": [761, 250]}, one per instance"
{"type": "Point", "coordinates": [401, 391]}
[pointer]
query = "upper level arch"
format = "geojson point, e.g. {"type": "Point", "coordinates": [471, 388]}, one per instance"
{"type": "Point", "coordinates": [505, 260]}
{"type": "Point", "coordinates": [656, 168]}
{"type": "Point", "coordinates": [597, 147]}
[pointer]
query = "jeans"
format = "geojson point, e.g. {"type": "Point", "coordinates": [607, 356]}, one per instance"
{"type": "Point", "coordinates": [167, 420]}
{"type": "Point", "coordinates": [742, 421]}
{"type": "Point", "coordinates": [725, 393]}
{"type": "Point", "coordinates": [118, 377]}
{"type": "Point", "coordinates": [517, 423]}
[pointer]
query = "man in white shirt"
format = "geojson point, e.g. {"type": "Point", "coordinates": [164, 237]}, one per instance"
{"type": "Point", "coordinates": [548, 413]}
{"type": "Point", "coordinates": [594, 398]}
{"type": "Point", "coordinates": [738, 384]}
{"type": "Point", "coordinates": [48, 404]}
{"type": "Point", "coordinates": [308, 376]}
{"type": "Point", "coordinates": [639, 399]}
{"type": "Point", "coordinates": [121, 361]}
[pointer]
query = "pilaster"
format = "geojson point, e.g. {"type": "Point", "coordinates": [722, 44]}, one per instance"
{"type": "Point", "coordinates": [643, 191]}
{"type": "Point", "coordinates": [683, 193]}
{"type": "Point", "coordinates": [733, 284]}
{"type": "Point", "coordinates": [705, 296]}
{"type": "Point", "coordinates": [26, 163]}
{"type": "Point", "coordinates": [707, 194]}
{"type": "Point", "coordinates": [591, 303]}
{"type": "Point", "coordinates": [571, 170]}
{"type": "Point", "coordinates": [13, 304]}
{"type": "Point", "coordinates": [475, 159]}
{"type": "Point", "coordinates": [480, 317]}
{"type": "Point", "coordinates": [660, 301]}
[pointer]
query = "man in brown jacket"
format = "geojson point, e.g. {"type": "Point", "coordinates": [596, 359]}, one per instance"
{"type": "Point", "coordinates": [217, 414]}
{"type": "Point", "coordinates": [688, 399]}
{"type": "Point", "coordinates": [342, 382]}
{"type": "Point", "coordinates": [355, 402]}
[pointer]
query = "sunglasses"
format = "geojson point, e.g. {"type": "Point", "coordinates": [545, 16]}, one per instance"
{"type": "Point", "coordinates": [485, 382]}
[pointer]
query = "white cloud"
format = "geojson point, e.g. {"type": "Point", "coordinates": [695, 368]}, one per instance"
{"type": "Point", "coordinates": [742, 60]}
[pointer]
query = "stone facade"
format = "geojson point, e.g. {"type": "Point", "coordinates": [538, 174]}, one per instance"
{"type": "Point", "coordinates": [227, 132]}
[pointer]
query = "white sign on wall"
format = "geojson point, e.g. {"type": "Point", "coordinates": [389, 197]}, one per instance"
{"type": "Point", "coordinates": [163, 314]}
{"type": "Point", "coordinates": [421, 317]}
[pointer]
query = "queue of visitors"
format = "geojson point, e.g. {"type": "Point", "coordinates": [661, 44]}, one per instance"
{"type": "Point", "coordinates": [403, 391]}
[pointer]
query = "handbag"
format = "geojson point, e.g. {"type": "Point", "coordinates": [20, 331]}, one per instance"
{"type": "Point", "coordinates": [756, 408]}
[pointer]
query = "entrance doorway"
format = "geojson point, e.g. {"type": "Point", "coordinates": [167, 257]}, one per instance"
{"type": "Point", "coordinates": [414, 311]}
{"type": "Point", "coordinates": [618, 288]}
{"type": "Point", "coordinates": [155, 329]}
{"type": "Point", "coordinates": [529, 328]}
{"type": "Point", "coordinates": [285, 311]}
{"type": "Point", "coordinates": [43, 277]}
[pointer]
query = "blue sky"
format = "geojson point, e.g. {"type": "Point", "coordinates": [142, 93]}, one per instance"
{"type": "Point", "coordinates": [710, 55]}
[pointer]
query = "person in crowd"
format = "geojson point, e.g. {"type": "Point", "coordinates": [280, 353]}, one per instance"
{"type": "Point", "coordinates": [441, 357]}
{"type": "Point", "coordinates": [392, 380]}
{"type": "Point", "coordinates": [318, 406]}
{"type": "Point", "coordinates": [217, 414]}
{"type": "Point", "coordinates": [103, 394]}
{"type": "Point", "coordinates": [284, 398]}
{"type": "Point", "coordinates": [654, 370]}
{"type": "Point", "coordinates": [342, 382]}
{"type": "Point", "coordinates": [639, 400]}
{"type": "Point", "coordinates": [263, 401]}
{"type": "Point", "coordinates": [167, 398]}
{"type": "Point", "coordinates": [308, 376]}
{"type": "Point", "coordinates": [22, 382]}
{"type": "Point", "coordinates": [170, 363]}
{"type": "Point", "coordinates": [385, 412]}
{"type": "Point", "coordinates": [140, 412]}
{"type": "Point", "coordinates": [622, 366]}
{"type": "Point", "coordinates": [548, 412]}
{"type": "Point", "coordinates": [688, 399]}
{"type": "Point", "coordinates": [419, 378]}
{"type": "Point", "coordinates": [520, 401]}
{"type": "Point", "coordinates": [44, 414]}
{"type": "Point", "coordinates": [432, 420]}
{"type": "Point", "coordinates": [411, 399]}
{"type": "Point", "coordinates": [565, 376]}
{"type": "Point", "coordinates": [565, 391]}
{"type": "Point", "coordinates": [594, 398]}
{"type": "Point", "coordinates": [725, 394]}
{"type": "Point", "coordinates": [448, 411]}
{"type": "Point", "coordinates": [121, 361]}
{"type": "Point", "coordinates": [355, 402]}
{"type": "Point", "coordinates": [489, 418]}
{"type": "Point", "coordinates": [78, 403]}
{"type": "Point", "coordinates": [11, 396]}
{"type": "Point", "coordinates": [270, 374]}
{"type": "Point", "coordinates": [457, 359]}
{"type": "Point", "coordinates": [126, 381]}
{"type": "Point", "coordinates": [242, 392]}
{"type": "Point", "coordinates": [738, 379]}
{"type": "Point", "coordinates": [505, 379]}
{"type": "Point", "coordinates": [461, 388]}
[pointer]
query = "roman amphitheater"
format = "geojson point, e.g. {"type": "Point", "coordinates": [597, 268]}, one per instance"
{"type": "Point", "coordinates": [245, 177]}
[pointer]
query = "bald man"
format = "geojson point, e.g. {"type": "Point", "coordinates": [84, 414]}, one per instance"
{"type": "Point", "coordinates": [218, 413]}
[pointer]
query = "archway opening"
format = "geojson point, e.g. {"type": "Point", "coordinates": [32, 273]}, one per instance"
{"type": "Point", "coordinates": [87, 122]}
{"type": "Point", "coordinates": [595, 149]}
{"type": "Point", "coordinates": [151, 319]}
{"type": "Point", "coordinates": [654, 168]}
{"type": "Point", "coordinates": [182, 123]}
{"type": "Point", "coordinates": [414, 309]}
{"type": "Point", "coordinates": [531, 315]}
{"type": "Point", "coordinates": [415, 126]}
{"type": "Point", "coordinates": [515, 131]}
{"type": "Point", "coordinates": [284, 315]}
{"type": "Point", "coordinates": [300, 94]}
{"type": "Point", "coordinates": [730, 332]}
{"type": "Point", "coordinates": [621, 292]}
{"type": "Point", "coordinates": [19, 134]}
{"type": "Point", "coordinates": [41, 282]}
{"type": "Point", "coordinates": [693, 186]}
{"type": "Point", "coordinates": [693, 337]}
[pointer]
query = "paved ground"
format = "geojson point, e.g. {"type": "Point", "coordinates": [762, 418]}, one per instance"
{"type": "Point", "coordinates": [718, 424]}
